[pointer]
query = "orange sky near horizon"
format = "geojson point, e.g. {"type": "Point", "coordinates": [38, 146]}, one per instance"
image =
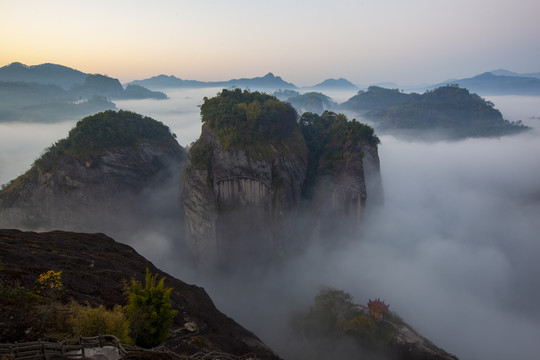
{"type": "Point", "coordinates": [304, 42]}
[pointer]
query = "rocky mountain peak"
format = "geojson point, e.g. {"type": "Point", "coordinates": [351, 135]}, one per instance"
{"type": "Point", "coordinates": [245, 176]}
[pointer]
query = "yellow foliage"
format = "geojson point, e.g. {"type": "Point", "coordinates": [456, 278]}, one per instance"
{"type": "Point", "coordinates": [362, 325]}
{"type": "Point", "coordinates": [90, 321]}
{"type": "Point", "coordinates": [50, 279]}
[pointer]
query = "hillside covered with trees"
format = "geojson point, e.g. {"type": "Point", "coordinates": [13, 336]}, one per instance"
{"type": "Point", "coordinates": [451, 111]}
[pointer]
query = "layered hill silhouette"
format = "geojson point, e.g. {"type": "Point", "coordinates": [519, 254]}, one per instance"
{"type": "Point", "coordinates": [499, 82]}
{"type": "Point", "coordinates": [446, 112]}
{"type": "Point", "coordinates": [52, 93]}
{"type": "Point", "coordinates": [269, 81]}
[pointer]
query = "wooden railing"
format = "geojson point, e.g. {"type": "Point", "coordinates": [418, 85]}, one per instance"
{"type": "Point", "coordinates": [77, 348]}
{"type": "Point", "coordinates": [73, 348]}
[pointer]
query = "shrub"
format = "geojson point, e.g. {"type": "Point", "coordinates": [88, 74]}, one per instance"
{"type": "Point", "coordinates": [362, 327]}
{"type": "Point", "coordinates": [49, 285]}
{"type": "Point", "coordinates": [15, 294]}
{"type": "Point", "coordinates": [325, 317]}
{"type": "Point", "coordinates": [149, 310]}
{"type": "Point", "coordinates": [92, 321]}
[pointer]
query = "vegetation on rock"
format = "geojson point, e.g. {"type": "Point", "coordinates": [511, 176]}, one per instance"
{"type": "Point", "coordinates": [329, 138]}
{"type": "Point", "coordinates": [52, 316]}
{"type": "Point", "coordinates": [256, 123]}
{"type": "Point", "coordinates": [149, 310]}
{"type": "Point", "coordinates": [95, 270]}
{"type": "Point", "coordinates": [243, 119]}
{"type": "Point", "coordinates": [377, 98]}
{"type": "Point", "coordinates": [451, 109]}
{"type": "Point", "coordinates": [334, 319]}
{"type": "Point", "coordinates": [104, 131]}
{"type": "Point", "coordinates": [86, 320]}
{"type": "Point", "coordinates": [147, 317]}
{"type": "Point", "coordinates": [315, 102]}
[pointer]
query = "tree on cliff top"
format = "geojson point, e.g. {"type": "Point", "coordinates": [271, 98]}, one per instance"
{"type": "Point", "coordinates": [103, 131]}
{"type": "Point", "coordinates": [243, 118]}
{"type": "Point", "coordinates": [328, 137]}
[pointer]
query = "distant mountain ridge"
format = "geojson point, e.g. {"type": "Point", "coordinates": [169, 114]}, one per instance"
{"type": "Point", "coordinates": [495, 82]}
{"type": "Point", "coordinates": [47, 73]}
{"type": "Point", "coordinates": [335, 84]}
{"type": "Point", "coordinates": [76, 82]}
{"type": "Point", "coordinates": [499, 82]}
{"type": "Point", "coordinates": [52, 93]}
{"type": "Point", "coordinates": [269, 81]}
{"type": "Point", "coordinates": [503, 72]}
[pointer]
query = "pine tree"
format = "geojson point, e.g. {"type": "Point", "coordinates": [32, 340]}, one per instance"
{"type": "Point", "coordinates": [149, 310]}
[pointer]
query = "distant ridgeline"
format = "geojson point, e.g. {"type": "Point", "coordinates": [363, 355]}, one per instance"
{"type": "Point", "coordinates": [449, 111]}
{"type": "Point", "coordinates": [51, 93]}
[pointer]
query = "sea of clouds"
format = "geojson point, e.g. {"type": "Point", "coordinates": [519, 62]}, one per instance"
{"type": "Point", "coordinates": [454, 249]}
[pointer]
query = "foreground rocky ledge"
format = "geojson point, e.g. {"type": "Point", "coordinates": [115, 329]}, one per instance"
{"type": "Point", "coordinates": [94, 268]}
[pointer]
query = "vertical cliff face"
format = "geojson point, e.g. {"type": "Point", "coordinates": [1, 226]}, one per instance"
{"type": "Point", "coordinates": [343, 173]}
{"type": "Point", "coordinates": [341, 195]}
{"type": "Point", "coordinates": [241, 206]}
{"type": "Point", "coordinates": [73, 186]}
{"type": "Point", "coordinates": [372, 174]}
{"type": "Point", "coordinates": [242, 185]}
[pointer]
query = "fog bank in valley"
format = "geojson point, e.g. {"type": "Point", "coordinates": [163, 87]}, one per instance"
{"type": "Point", "coordinates": [453, 250]}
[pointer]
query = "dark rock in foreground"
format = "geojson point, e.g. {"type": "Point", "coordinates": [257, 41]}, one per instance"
{"type": "Point", "coordinates": [94, 268]}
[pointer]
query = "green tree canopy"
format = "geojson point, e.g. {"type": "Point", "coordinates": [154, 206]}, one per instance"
{"type": "Point", "coordinates": [149, 310]}
{"type": "Point", "coordinates": [243, 118]}
{"type": "Point", "coordinates": [328, 137]}
{"type": "Point", "coordinates": [103, 131]}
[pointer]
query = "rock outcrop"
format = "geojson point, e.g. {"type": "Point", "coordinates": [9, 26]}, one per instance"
{"type": "Point", "coordinates": [241, 206]}
{"type": "Point", "coordinates": [98, 187]}
{"type": "Point", "coordinates": [243, 185]}
{"type": "Point", "coordinates": [94, 269]}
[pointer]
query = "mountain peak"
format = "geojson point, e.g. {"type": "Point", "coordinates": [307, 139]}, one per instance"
{"type": "Point", "coordinates": [340, 83]}
{"type": "Point", "coordinates": [17, 65]}
{"type": "Point", "coordinates": [503, 72]}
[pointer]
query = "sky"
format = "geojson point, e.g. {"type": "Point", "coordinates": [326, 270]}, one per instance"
{"type": "Point", "coordinates": [305, 42]}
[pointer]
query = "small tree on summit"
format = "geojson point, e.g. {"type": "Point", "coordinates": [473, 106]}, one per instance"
{"type": "Point", "coordinates": [149, 310]}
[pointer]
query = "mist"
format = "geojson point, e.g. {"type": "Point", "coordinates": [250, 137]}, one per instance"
{"type": "Point", "coordinates": [453, 250]}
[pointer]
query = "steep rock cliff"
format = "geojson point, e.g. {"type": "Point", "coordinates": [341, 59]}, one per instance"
{"type": "Point", "coordinates": [95, 179]}
{"type": "Point", "coordinates": [243, 179]}
{"type": "Point", "coordinates": [343, 169]}
{"type": "Point", "coordinates": [253, 165]}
